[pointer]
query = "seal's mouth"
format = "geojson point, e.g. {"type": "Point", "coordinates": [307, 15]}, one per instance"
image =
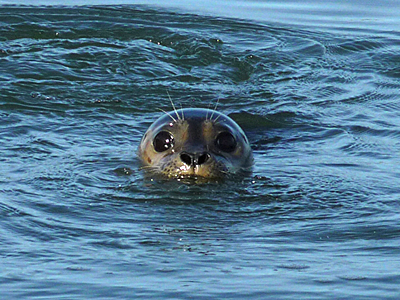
{"type": "Point", "coordinates": [197, 172]}
{"type": "Point", "coordinates": [204, 165]}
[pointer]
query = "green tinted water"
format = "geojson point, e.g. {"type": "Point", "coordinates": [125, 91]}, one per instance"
{"type": "Point", "coordinates": [317, 219]}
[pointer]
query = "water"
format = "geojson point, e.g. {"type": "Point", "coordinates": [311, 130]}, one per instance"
{"type": "Point", "coordinates": [317, 96]}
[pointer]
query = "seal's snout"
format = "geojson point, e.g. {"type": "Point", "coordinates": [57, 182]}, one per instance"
{"type": "Point", "coordinates": [194, 159]}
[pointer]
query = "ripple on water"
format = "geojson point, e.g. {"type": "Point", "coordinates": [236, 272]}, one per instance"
{"type": "Point", "coordinates": [80, 85]}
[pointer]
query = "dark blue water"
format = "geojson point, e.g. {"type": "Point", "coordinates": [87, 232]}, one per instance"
{"type": "Point", "coordinates": [315, 87]}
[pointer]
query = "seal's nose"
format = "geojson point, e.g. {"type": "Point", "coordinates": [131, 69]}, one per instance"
{"type": "Point", "coordinates": [194, 159]}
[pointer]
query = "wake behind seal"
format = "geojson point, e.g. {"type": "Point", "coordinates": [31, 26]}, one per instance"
{"type": "Point", "coordinates": [195, 143]}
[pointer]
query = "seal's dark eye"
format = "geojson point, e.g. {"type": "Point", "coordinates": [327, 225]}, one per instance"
{"type": "Point", "coordinates": [163, 141]}
{"type": "Point", "coordinates": [226, 142]}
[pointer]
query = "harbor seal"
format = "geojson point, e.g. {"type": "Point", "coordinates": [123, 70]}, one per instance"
{"type": "Point", "coordinates": [195, 143]}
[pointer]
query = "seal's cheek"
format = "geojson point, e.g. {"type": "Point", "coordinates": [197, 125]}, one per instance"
{"type": "Point", "coordinates": [147, 158]}
{"type": "Point", "coordinates": [145, 149]}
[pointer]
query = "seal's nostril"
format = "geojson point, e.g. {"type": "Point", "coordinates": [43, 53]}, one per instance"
{"type": "Point", "coordinates": [203, 158]}
{"type": "Point", "coordinates": [194, 159]}
{"type": "Point", "coordinates": [187, 159]}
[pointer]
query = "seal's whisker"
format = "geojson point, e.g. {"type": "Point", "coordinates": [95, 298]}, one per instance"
{"type": "Point", "coordinates": [167, 113]}
{"type": "Point", "coordinates": [215, 109]}
{"type": "Point", "coordinates": [216, 104]}
{"type": "Point", "coordinates": [150, 169]}
{"type": "Point", "coordinates": [215, 120]}
{"type": "Point", "coordinates": [183, 116]}
{"type": "Point", "coordinates": [225, 172]}
{"type": "Point", "coordinates": [145, 167]}
{"type": "Point", "coordinates": [208, 106]}
{"type": "Point", "coordinates": [173, 106]}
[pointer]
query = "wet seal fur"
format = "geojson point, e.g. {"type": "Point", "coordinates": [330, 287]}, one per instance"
{"type": "Point", "coordinates": [195, 143]}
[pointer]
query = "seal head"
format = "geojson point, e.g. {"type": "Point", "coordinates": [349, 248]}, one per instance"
{"type": "Point", "coordinates": [195, 142]}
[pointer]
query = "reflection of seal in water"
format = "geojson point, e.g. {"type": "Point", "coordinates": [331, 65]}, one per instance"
{"type": "Point", "coordinates": [195, 142]}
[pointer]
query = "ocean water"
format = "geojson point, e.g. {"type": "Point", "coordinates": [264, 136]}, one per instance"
{"type": "Point", "coordinates": [316, 87]}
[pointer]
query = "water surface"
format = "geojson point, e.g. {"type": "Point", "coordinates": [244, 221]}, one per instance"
{"type": "Point", "coordinates": [318, 98]}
